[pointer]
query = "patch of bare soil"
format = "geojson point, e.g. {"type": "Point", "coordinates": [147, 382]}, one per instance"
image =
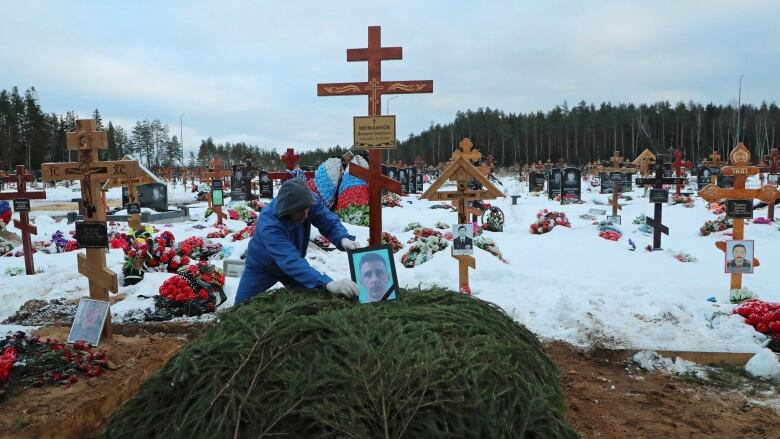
{"type": "Point", "coordinates": [80, 411]}
{"type": "Point", "coordinates": [608, 397]}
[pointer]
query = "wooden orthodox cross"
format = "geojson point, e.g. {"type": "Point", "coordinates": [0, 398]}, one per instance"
{"type": "Point", "coordinates": [132, 193]}
{"type": "Point", "coordinates": [374, 88]}
{"type": "Point", "coordinates": [678, 166]}
{"type": "Point", "coordinates": [644, 161]}
{"type": "Point", "coordinates": [713, 162]}
{"type": "Point", "coordinates": [617, 186]}
{"type": "Point", "coordinates": [740, 168]}
{"type": "Point", "coordinates": [21, 199]}
{"type": "Point", "coordinates": [91, 171]}
{"type": "Point", "coordinates": [461, 171]}
{"type": "Point", "coordinates": [658, 196]}
{"type": "Point", "coordinates": [216, 172]}
{"type": "Point", "coordinates": [772, 160]}
{"type": "Point", "coordinates": [290, 159]}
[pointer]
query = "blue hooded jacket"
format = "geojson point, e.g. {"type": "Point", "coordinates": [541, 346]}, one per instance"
{"type": "Point", "coordinates": [277, 250]}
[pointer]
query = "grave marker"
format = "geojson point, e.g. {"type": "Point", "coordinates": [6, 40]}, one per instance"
{"type": "Point", "coordinates": [772, 160]}
{"type": "Point", "coordinates": [617, 169]}
{"type": "Point", "coordinates": [374, 88]}
{"type": "Point", "coordinates": [740, 168]}
{"type": "Point", "coordinates": [658, 196]}
{"type": "Point", "coordinates": [21, 200]}
{"type": "Point", "coordinates": [290, 159]}
{"type": "Point", "coordinates": [216, 173]}
{"type": "Point", "coordinates": [678, 165]}
{"type": "Point", "coordinates": [143, 177]}
{"type": "Point", "coordinates": [461, 171]}
{"type": "Point", "coordinates": [87, 140]}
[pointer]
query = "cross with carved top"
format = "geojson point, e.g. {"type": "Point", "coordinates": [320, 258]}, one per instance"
{"type": "Point", "coordinates": [23, 223]}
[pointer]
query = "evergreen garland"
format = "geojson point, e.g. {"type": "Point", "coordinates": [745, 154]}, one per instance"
{"type": "Point", "coordinates": [297, 364]}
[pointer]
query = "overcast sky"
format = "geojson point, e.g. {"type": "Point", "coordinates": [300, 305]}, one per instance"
{"type": "Point", "coordinates": [243, 70]}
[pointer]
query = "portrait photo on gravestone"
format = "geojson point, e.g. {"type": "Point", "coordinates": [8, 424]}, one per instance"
{"type": "Point", "coordinates": [462, 239]}
{"type": "Point", "coordinates": [89, 321]}
{"type": "Point", "coordinates": [739, 256]}
{"type": "Point", "coordinates": [373, 270]}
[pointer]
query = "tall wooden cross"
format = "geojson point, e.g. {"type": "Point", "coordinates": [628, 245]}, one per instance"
{"type": "Point", "coordinates": [87, 140]}
{"type": "Point", "coordinates": [772, 160]}
{"type": "Point", "coordinates": [658, 196]}
{"type": "Point", "coordinates": [740, 168]}
{"type": "Point", "coordinates": [679, 164]}
{"type": "Point", "coordinates": [374, 88]}
{"type": "Point", "coordinates": [462, 172]}
{"type": "Point", "coordinates": [713, 162]}
{"type": "Point", "coordinates": [617, 186]}
{"type": "Point", "coordinates": [290, 159]}
{"type": "Point", "coordinates": [216, 172]}
{"type": "Point", "coordinates": [22, 197]}
{"type": "Point", "coordinates": [134, 222]}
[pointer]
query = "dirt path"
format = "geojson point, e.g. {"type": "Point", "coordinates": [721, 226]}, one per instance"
{"type": "Point", "coordinates": [609, 398]}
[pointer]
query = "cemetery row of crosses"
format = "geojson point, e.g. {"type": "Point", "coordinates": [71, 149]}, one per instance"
{"type": "Point", "coordinates": [567, 249]}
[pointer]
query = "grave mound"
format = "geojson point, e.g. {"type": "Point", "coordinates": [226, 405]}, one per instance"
{"type": "Point", "coordinates": [432, 364]}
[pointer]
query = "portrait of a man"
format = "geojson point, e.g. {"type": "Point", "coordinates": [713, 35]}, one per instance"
{"type": "Point", "coordinates": [373, 270]}
{"type": "Point", "coordinates": [571, 179]}
{"type": "Point", "coordinates": [264, 177]}
{"type": "Point", "coordinates": [88, 322]}
{"type": "Point", "coordinates": [739, 256]}
{"type": "Point", "coordinates": [462, 241]}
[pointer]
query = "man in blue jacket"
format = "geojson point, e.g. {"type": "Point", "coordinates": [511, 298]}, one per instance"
{"type": "Point", "coordinates": [277, 250]}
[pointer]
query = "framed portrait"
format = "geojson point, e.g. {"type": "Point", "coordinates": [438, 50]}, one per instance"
{"type": "Point", "coordinates": [462, 239]}
{"type": "Point", "coordinates": [233, 267]}
{"type": "Point", "coordinates": [89, 321]}
{"type": "Point", "coordinates": [771, 179]}
{"type": "Point", "coordinates": [373, 270]}
{"type": "Point", "coordinates": [614, 219]}
{"type": "Point", "coordinates": [739, 256]}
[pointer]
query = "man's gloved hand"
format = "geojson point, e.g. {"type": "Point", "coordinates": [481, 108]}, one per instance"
{"type": "Point", "coordinates": [348, 244]}
{"type": "Point", "coordinates": [343, 287]}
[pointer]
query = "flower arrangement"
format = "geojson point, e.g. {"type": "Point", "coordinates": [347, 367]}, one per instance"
{"type": "Point", "coordinates": [199, 248]}
{"type": "Point", "coordinates": [587, 217]}
{"type": "Point", "coordinates": [390, 239]}
{"type": "Point", "coordinates": [641, 219]}
{"type": "Point", "coordinates": [547, 220]}
{"type": "Point", "coordinates": [63, 244]}
{"type": "Point", "coordinates": [762, 220]}
{"type": "Point", "coordinates": [739, 295]}
{"type": "Point", "coordinates": [422, 249]}
{"type": "Point", "coordinates": [28, 361]}
{"type": "Point", "coordinates": [716, 208]}
{"type": "Point", "coordinates": [192, 292]}
{"type": "Point", "coordinates": [494, 221]}
{"type": "Point", "coordinates": [489, 246]}
{"type": "Point", "coordinates": [610, 234]}
{"type": "Point", "coordinates": [246, 232]}
{"type": "Point", "coordinates": [256, 205]}
{"type": "Point", "coordinates": [763, 316]}
{"type": "Point", "coordinates": [684, 257]}
{"type": "Point", "coordinates": [413, 226]}
{"type": "Point", "coordinates": [13, 271]}
{"type": "Point", "coordinates": [5, 214]}
{"type": "Point", "coordinates": [568, 199]}
{"type": "Point", "coordinates": [241, 212]}
{"type": "Point", "coordinates": [719, 224]}
{"type": "Point", "coordinates": [221, 232]}
{"type": "Point", "coordinates": [441, 225]}
{"type": "Point", "coordinates": [391, 200]}
{"type": "Point", "coordinates": [685, 200]}
{"type": "Point", "coordinates": [355, 215]}
{"type": "Point", "coordinates": [424, 232]}
{"type": "Point", "coordinates": [6, 247]}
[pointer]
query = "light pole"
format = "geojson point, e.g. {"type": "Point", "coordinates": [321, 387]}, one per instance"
{"type": "Point", "coordinates": [181, 137]}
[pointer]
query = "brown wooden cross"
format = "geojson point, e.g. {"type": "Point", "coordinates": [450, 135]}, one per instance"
{"type": "Point", "coordinates": [772, 161]}
{"type": "Point", "coordinates": [87, 140]}
{"type": "Point", "coordinates": [132, 193]}
{"type": "Point", "coordinates": [216, 172]}
{"type": "Point", "coordinates": [740, 168]}
{"type": "Point", "coordinates": [462, 172]}
{"type": "Point", "coordinates": [617, 186]}
{"type": "Point", "coordinates": [713, 162]}
{"type": "Point", "coordinates": [679, 164]}
{"type": "Point", "coordinates": [23, 223]}
{"type": "Point", "coordinates": [374, 88]}
{"type": "Point", "coordinates": [290, 159]}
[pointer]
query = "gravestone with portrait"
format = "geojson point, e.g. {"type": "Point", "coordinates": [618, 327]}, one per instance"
{"type": "Point", "coordinates": [703, 176]}
{"type": "Point", "coordinates": [418, 182]}
{"type": "Point", "coordinates": [462, 239]}
{"type": "Point", "coordinates": [412, 174]}
{"type": "Point", "coordinates": [572, 184]}
{"type": "Point", "coordinates": [403, 175]}
{"type": "Point", "coordinates": [152, 196]}
{"type": "Point", "coordinates": [265, 185]}
{"type": "Point", "coordinates": [740, 169]}
{"type": "Point", "coordinates": [536, 181]}
{"type": "Point", "coordinates": [554, 182]}
{"type": "Point", "coordinates": [237, 192]}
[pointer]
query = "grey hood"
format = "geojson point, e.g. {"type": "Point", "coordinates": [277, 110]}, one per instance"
{"type": "Point", "coordinates": [294, 195]}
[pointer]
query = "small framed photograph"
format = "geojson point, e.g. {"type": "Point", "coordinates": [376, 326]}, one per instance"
{"type": "Point", "coordinates": [89, 321]}
{"type": "Point", "coordinates": [373, 270]}
{"type": "Point", "coordinates": [614, 219]}
{"type": "Point", "coordinates": [233, 267]}
{"type": "Point", "coordinates": [462, 239]}
{"type": "Point", "coordinates": [739, 256]}
{"type": "Point", "coordinates": [772, 179]}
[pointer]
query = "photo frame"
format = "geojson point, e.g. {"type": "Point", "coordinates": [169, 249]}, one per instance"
{"type": "Point", "coordinates": [233, 267]}
{"type": "Point", "coordinates": [614, 219]}
{"type": "Point", "coordinates": [373, 270]}
{"type": "Point", "coordinates": [462, 239]}
{"type": "Point", "coordinates": [89, 321]}
{"type": "Point", "coordinates": [742, 261]}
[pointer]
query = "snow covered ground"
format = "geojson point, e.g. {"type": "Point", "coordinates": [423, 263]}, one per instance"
{"type": "Point", "coordinates": [568, 284]}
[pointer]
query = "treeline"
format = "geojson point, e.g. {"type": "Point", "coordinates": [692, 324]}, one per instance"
{"type": "Point", "coordinates": [29, 136]}
{"type": "Point", "coordinates": [234, 153]}
{"type": "Point", "coordinates": [586, 133]}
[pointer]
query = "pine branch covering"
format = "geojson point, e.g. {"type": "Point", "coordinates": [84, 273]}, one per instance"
{"type": "Point", "coordinates": [293, 364]}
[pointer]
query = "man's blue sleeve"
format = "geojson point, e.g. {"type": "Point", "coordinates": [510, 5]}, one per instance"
{"type": "Point", "coordinates": [329, 225]}
{"type": "Point", "coordinates": [288, 258]}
